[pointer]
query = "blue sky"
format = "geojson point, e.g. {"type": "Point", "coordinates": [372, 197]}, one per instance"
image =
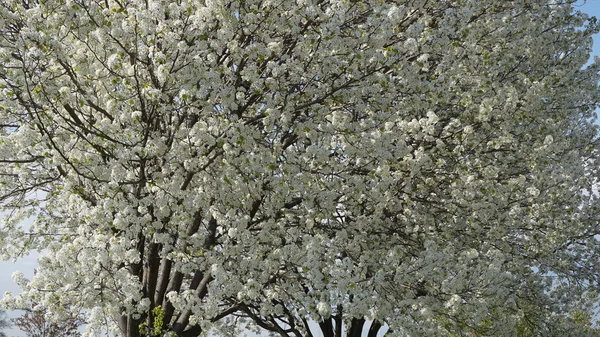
{"type": "Point", "coordinates": [27, 264]}
{"type": "Point", "coordinates": [592, 7]}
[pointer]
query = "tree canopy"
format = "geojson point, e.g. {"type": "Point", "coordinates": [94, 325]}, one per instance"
{"type": "Point", "coordinates": [427, 166]}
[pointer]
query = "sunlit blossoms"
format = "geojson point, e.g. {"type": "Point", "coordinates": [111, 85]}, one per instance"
{"type": "Point", "coordinates": [419, 168]}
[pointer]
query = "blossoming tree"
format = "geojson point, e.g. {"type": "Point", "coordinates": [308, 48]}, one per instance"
{"type": "Point", "coordinates": [415, 167]}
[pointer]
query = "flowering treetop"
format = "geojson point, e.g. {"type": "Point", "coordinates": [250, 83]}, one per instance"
{"type": "Point", "coordinates": [427, 165]}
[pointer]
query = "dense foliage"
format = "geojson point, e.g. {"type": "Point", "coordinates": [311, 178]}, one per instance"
{"type": "Point", "coordinates": [196, 165]}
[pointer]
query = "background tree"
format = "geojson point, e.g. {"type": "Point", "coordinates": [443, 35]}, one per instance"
{"type": "Point", "coordinates": [425, 165]}
{"type": "Point", "coordinates": [4, 323]}
{"type": "Point", "coordinates": [35, 324]}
